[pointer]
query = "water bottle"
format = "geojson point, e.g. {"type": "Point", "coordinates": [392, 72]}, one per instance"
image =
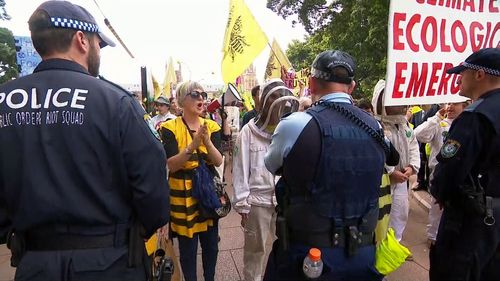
{"type": "Point", "coordinates": [313, 265]}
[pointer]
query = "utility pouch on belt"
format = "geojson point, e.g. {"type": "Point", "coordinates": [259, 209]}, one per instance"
{"type": "Point", "coordinates": [17, 246]}
{"type": "Point", "coordinates": [282, 211]}
{"type": "Point", "coordinates": [473, 200]}
{"type": "Point", "coordinates": [282, 232]}
{"type": "Point", "coordinates": [135, 244]}
{"type": "Point", "coordinates": [353, 240]}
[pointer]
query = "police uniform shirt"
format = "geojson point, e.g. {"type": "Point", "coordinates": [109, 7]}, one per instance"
{"type": "Point", "coordinates": [76, 150]}
{"type": "Point", "coordinates": [298, 126]}
{"type": "Point", "coordinates": [298, 131]}
{"type": "Point", "coordinates": [465, 149]}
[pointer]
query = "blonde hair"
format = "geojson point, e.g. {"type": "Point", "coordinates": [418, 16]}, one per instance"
{"type": "Point", "coordinates": [185, 88]}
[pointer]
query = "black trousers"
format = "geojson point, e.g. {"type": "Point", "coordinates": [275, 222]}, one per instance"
{"type": "Point", "coordinates": [465, 249]}
{"type": "Point", "coordinates": [91, 264]}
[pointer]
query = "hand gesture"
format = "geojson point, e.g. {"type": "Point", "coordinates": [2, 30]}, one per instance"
{"type": "Point", "coordinates": [398, 177]}
{"type": "Point", "coordinates": [442, 112]}
{"type": "Point", "coordinates": [408, 171]}
{"type": "Point", "coordinates": [204, 134]}
{"type": "Point", "coordinates": [198, 137]}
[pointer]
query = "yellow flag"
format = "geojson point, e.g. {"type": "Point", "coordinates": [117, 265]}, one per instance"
{"type": "Point", "coordinates": [277, 59]}
{"type": "Point", "coordinates": [170, 78]}
{"type": "Point", "coordinates": [247, 100]}
{"type": "Point", "coordinates": [243, 41]}
{"type": "Point", "coordinates": [156, 87]}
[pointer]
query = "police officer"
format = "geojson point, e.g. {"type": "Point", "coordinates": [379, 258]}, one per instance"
{"type": "Point", "coordinates": [82, 177]}
{"type": "Point", "coordinates": [466, 181]}
{"type": "Point", "coordinates": [331, 158]}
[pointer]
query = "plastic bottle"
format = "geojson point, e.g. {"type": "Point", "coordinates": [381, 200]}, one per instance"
{"type": "Point", "coordinates": [313, 265]}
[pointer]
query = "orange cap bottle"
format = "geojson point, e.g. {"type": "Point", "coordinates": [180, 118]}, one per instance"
{"type": "Point", "coordinates": [315, 254]}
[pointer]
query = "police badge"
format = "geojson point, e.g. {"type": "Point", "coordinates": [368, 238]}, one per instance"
{"type": "Point", "coordinates": [450, 148]}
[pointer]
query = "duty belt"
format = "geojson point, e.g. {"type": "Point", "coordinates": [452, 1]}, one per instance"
{"type": "Point", "coordinates": [51, 240]}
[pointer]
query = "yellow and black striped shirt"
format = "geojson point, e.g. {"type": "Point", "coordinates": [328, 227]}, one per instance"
{"type": "Point", "coordinates": [184, 216]}
{"type": "Point", "coordinates": [384, 208]}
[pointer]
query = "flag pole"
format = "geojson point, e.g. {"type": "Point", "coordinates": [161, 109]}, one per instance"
{"type": "Point", "coordinates": [272, 50]}
{"type": "Point", "coordinates": [108, 24]}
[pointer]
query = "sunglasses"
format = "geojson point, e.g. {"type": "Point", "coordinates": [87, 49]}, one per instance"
{"type": "Point", "coordinates": [196, 95]}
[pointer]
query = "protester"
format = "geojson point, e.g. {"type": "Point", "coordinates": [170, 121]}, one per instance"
{"type": "Point", "coordinates": [433, 131]}
{"type": "Point", "coordinates": [331, 169]}
{"type": "Point", "coordinates": [403, 138]}
{"type": "Point", "coordinates": [162, 105]}
{"type": "Point", "coordinates": [174, 108]}
{"type": "Point", "coordinates": [252, 113]}
{"type": "Point", "coordinates": [416, 115]}
{"type": "Point", "coordinates": [188, 140]}
{"type": "Point", "coordinates": [466, 178]}
{"type": "Point", "coordinates": [253, 185]}
{"type": "Point", "coordinates": [84, 182]}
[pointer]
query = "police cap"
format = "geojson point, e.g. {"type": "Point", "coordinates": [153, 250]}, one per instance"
{"type": "Point", "coordinates": [325, 63]}
{"type": "Point", "coordinates": [487, 59]}
{"type": "Point", "coordinates": [64, 14]}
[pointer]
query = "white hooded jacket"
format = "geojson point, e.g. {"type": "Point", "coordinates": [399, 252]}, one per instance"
{"type": "Point", "coordinates": [398, 131]}
{"type": "Point", "coordinates": [253, 184]}
{"type": "Point", "coordinates": [433, 131]}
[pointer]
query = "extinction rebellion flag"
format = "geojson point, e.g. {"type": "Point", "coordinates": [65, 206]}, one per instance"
{"type": "Point", "coordinates": [243, 41]}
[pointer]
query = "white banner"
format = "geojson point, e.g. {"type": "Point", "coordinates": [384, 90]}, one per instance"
{"type": "Point", "coordinates": [427, 37]}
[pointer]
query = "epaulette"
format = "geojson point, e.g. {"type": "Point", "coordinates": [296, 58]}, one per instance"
{"type": "Point", "coordinates": [116, 85]}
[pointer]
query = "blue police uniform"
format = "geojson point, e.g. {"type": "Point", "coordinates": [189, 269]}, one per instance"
{"type": "Point", "coordinates": [466, 179]}
{"type": "Point", "coordinates": [77, 164]}
{"type": "Point", "coordinates": [331, 169]}
{"type": "Point", "coordinates": [466, 184]}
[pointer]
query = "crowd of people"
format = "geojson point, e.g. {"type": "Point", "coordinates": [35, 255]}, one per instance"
{"type": "Point", "coordinates": [310, 172]}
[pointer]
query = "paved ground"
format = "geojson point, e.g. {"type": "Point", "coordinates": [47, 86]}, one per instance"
{"type": "Point", "coordinates": [230, 261]}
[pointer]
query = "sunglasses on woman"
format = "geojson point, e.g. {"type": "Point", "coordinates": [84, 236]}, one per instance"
{"type": "Point", "coordinates": [196, 95]}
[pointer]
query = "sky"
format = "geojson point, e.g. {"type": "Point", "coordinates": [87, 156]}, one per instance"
{"type": "Point", "coordinates": [189, 31]}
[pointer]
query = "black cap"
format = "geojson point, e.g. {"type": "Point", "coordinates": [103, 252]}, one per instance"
{"type": "Point", "coordinates": [324, 63]}
{"type": "Point", "coordinates": [486, 59]}
{"type": "Point", "coordinates": [64, 14]}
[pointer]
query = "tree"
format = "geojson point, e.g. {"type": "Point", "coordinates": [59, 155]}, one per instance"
{"type": "Point", "coordinates": [8, 62]}
{"type": "Point", "coordinates": [358, 27]}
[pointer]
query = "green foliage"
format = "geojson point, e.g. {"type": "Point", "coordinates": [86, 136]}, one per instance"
{"type": "Point", "coordinates": [8, 64]}
{"type": "Point", "coordinates": [358, 27]}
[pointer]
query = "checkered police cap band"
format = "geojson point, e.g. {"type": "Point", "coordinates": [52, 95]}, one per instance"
{"type": "Point", "coordinates": [479, 67]}
{"type": "Point", "coordinates": [74, 24]}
